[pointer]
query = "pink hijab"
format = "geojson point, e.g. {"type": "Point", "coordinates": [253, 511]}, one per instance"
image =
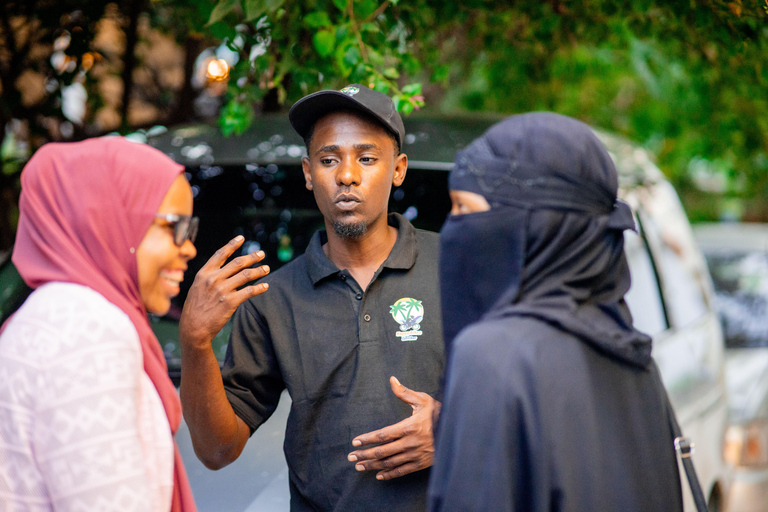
{"type": "Point", "coordinates": [84, 209]}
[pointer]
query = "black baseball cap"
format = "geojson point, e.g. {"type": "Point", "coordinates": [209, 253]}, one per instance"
{"type": "Point", "coordinates": [309, 109]}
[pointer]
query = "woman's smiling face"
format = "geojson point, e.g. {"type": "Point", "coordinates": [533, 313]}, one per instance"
{"type": "Point", "coordinates": [161, 263]}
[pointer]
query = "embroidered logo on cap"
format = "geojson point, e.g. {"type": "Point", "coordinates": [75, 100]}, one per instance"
{"type": "Point", "coordinates": [350, 91]}
{"type": "Point", "coordinates": [408, 313]}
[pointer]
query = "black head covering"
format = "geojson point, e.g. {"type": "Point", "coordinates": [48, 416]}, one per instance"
{"type": "Point", "coordinates": [551, 246]}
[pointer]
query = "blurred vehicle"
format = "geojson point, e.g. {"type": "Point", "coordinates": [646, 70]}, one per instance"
{"type": "Point", "coordinates": [737, 255]}
{"type": "Point", "coordinates": [252, 185]}
{"type": "Point", "coordinates": [672, 299]}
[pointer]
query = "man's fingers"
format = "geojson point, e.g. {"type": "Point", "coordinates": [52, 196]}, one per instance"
{"type": "Point", "coordinates": [223, 253]}
{"type": "Point", "coordinates": [387, 463]}
{"type": "Point", "coordinates": [413, 398]}
{"type": "Point", "coordinates": [383, 435]}
{"type": "Point", "coordinates": [247, 275]}
{"type": "Point", "coordinates": [378, 452]}
{"type": "Point", "coordinates": [241, 263]}
{"type": "Point", "coordinates": [247, 292]}
{"type": "Point", "coordinates": [399, 471]}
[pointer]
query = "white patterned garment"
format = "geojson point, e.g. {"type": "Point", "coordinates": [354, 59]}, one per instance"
{"type": "Point", "coordinates": [82, 427]}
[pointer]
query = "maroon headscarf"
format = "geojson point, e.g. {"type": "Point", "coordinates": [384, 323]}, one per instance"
{"type": "Point", "coordinates": [84, 209]}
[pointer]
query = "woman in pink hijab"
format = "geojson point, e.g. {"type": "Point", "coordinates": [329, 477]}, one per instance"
{"type": "Point", "coordinates": [87, 411]}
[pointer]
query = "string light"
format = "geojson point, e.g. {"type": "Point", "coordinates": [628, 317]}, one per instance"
{"type": "Point", "coordinates": [217, 70]}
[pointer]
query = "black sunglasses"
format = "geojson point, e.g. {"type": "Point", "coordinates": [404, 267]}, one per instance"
{"type": "Point", "coordinates": [184, 227]}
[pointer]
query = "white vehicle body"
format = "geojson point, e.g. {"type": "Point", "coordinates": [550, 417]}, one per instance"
{"type": "Point", "coordinates": [738, 259]}
{"type": "Point", "coordinates": [671, 299]}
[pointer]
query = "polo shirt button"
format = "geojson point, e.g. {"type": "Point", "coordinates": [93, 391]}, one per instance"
{"type": "Point", "coordinates": [343, 277]}
{"type": "Point", "coordinates": [359, 296]}
{"type": "Point", "coordinates": [367, 318]}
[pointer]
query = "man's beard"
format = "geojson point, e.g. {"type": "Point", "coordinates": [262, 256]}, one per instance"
{"type": "Point", "coordinates": [349, 230]}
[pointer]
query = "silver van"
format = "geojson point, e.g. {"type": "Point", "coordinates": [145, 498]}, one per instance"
{"type": "Point", "coordinates": [672, 299]}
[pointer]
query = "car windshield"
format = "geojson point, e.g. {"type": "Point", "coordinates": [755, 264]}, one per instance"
{"type": "Point", "coordinates": [741, 286]}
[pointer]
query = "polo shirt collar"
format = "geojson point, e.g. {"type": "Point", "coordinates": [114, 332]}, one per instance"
{"type": "Point", "coordinates": [402, 256]}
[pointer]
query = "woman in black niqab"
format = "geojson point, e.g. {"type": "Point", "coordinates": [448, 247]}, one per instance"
{"type": "Point", "coordinates": [552, 401]}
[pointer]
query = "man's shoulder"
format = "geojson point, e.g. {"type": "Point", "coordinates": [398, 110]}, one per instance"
{"type": "Point", "coordinates": [290, 279]}
{"type": "Point", "coordinates": [297, 267]}
{"type": "Point", "coordinates": [423, 234]}
{"type": "Point", "coordinates": [428, 242]}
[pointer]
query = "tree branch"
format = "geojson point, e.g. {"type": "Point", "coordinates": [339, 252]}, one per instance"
{"type": "Point", "coordinates": [356, 30]}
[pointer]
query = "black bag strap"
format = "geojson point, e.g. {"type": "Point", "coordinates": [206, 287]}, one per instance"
{"type": "Point", "coordinates": [685, 448]}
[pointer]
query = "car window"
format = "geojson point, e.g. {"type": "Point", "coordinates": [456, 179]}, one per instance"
{"type": "Point", "coordinates": [741, 296]}
{"type": "Point", "coordinates": [644, 296]}
{"type": "Point", "coordinates": [681, 268]}
{"type": "Point", "coordinates": [684, 298]}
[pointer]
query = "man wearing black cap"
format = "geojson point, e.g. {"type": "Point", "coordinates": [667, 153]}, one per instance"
{"type": "Point", "coordinates": [339, 326]}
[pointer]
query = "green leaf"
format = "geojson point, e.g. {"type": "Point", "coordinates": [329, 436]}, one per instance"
{"type": "Point", "coordinates": [222, 31]}
{"type": "Point", "coordinates": [441, 73]}
{"type": "Point", "coordinates": [324, 42]}
{"type": "Point", "coordinates": [365, 8]}
{"type": "Point", "coordinates": [341, 4]}
{"type": "Point", "coordinates": [375, 57]}
{"type": "Point", "coordinates": [405, 107]}
{"type": "Point", "coordinates": [222, 8]}
{"type": "Point", "coordinates": [380, 85]}
{"type": "Point", "coordinates": [410, 64]}
{"type": "Point", "coordinates": [317, 19]}
{"type": "Point", "coordinates": [391, 73]}
{"type": "Point", "coordinates": [369, 27]}
{"type": "Point", "coordinates": [257, 8]}
{"type": "Point", "coordinates": [352, 56]}
{"type": "Point", "coordinates": [360, 73]}
{"type": "Point", "coordinates": [274, 5]}
{"type": "Point", "coordinates": [412, 90]}
{"type": "Point", "coordinates": [342, 31]}
{"type": "Point", "coordinates": [341, 48]}
{"type": "Point", "coordinates": [254, 9]}
{"type": "Point", "coordinates": [235, 118]}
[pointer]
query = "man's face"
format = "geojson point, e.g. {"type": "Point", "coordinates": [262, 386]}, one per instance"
{"type": "Point", "coordinates": [351, 167]}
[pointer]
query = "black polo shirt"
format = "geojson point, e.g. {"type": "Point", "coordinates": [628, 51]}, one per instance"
{"type": "Point", "coordinates": [334, 347]}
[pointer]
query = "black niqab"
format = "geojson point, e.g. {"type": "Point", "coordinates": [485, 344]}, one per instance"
{"type": "Point", "coordinates": [552, 189]}
{"type": "Point", "coordinates": [551, 399]}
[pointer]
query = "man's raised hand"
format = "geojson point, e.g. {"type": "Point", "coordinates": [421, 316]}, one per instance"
{"type": "Point", "coordinates": [217, 291]}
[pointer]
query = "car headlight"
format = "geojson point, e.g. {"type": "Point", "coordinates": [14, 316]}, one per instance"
{"type": "Point", "coordinates": [747, 444]}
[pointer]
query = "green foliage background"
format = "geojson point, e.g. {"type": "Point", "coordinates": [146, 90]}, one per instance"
{"type": "Point", "coordinates": [685, 79]}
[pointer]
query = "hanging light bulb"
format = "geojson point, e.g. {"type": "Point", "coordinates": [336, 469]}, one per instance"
{"type": "Point", "coordinates": [217, 70]}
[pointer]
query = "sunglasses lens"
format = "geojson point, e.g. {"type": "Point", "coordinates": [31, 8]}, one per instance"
{"type": "Point", "coordinates": [179, 232]}
{"type": "Point", "coordinates": [185, 229]}
{"type": "Point", "coordinates": [193, 225]}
